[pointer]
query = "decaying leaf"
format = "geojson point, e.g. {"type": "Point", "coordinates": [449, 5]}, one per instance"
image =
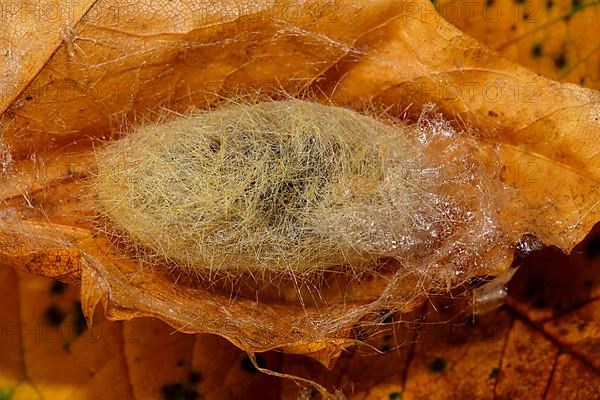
{"type": "Point", "coordinates": [111, 70]}
{"type": "Point", "coordinates": [530, 348]}
{"type": "Point", "coordinates": [49, 353]}
{"type": "Point", "coordinates": [548, 36]}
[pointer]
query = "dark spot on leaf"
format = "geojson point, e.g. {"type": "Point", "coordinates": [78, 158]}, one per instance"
{"type": "Point", "coordinates": [395, 396]}
{"type": "Point", "coordinates": [532, 289]}
{"type": "Point", "coordinates": [560, 61]}
{"type": "Point", "coordinates": [540, 303]}
{"type": "Point", "coordinates": [492, 113]}
{"type": "Point", "coordinates": [195, 377]}
{"type": "Point", "coordinates": [536, 50]}
{"type": "Point", "coordinates": [385, 348]}
{"type": "Point", "coordinates": [494, 373]}
{"type": "Point", "coordinates": [519, 1]}
{"type": "Point", "coordinates": [513, 27]}
{"type": "Point", "coordinates": [57, 287]}
{"type": "Point", "coordinates": [387, 337]}
{"type": "Point", "coordinates": [558, 307]}
{"type": "Point", "coordinates": [28, 98]}
{"type": "Point", "coordinates": [177, 391]}
{"type": "Point", "coordinates": [525, 16]}
{"type": "Point", "coordinates": [247, 365]}
{"type": "Point", "coordinates": [489, 2]}
{"type": "Point", "coordinates": [592, 248]}
{"type": "Point", "coordinates": [549, 4]}
{"type": "Point", "coordinates": [437, 365]}
{"type": "Point", "coordinates": [180, 363]}
{"type": "Point", "coordinates": [79, 322]}
{"type": "Point", "coordinates": [576, 5]}
{"type": "Point", "coordinates": [54, 315]}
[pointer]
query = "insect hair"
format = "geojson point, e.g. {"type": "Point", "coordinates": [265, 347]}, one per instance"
{"type": "Point", "coordinates": [289, 189]}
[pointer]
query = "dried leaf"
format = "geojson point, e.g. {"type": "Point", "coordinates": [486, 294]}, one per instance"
{"type": "Point", "coordinates": [549, 37]}
{"type": "Point", "coordinates": [438, 352]}
{"type": "Point", "coordinates": [49, 353]}
{"type": "Point", "coordinates": [110, 71]}
{"type": "Point", "coordinates": [445, 352]}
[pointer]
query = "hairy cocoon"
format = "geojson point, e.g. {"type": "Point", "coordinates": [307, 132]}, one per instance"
{"type": "Point", "coordinates": [294, 186]}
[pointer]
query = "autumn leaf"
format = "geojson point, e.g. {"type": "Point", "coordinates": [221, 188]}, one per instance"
{"type": "Point", "coordinates": [551, 37]}
{"type": "Point", "coordinates": [48, 352]}
{"type": "Point", "coordinates": [541, 345]}
{"type": "Point", "coordinates": [99, 72]}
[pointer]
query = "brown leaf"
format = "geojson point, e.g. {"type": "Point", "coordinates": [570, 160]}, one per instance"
{"type": "Point", "coordinates": [441, 351]}
{"type": "Point", "coordinates": [109, 72]}
{"type": "Point", "coordinates": [550, 37]}
{"type": "Point", "coordinates": [512, 353]}
{"type": "Point", "coordinates": [49, 353]}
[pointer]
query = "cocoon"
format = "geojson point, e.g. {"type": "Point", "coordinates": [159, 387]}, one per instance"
{"type": "Point", "coordinates": [290, 187]}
